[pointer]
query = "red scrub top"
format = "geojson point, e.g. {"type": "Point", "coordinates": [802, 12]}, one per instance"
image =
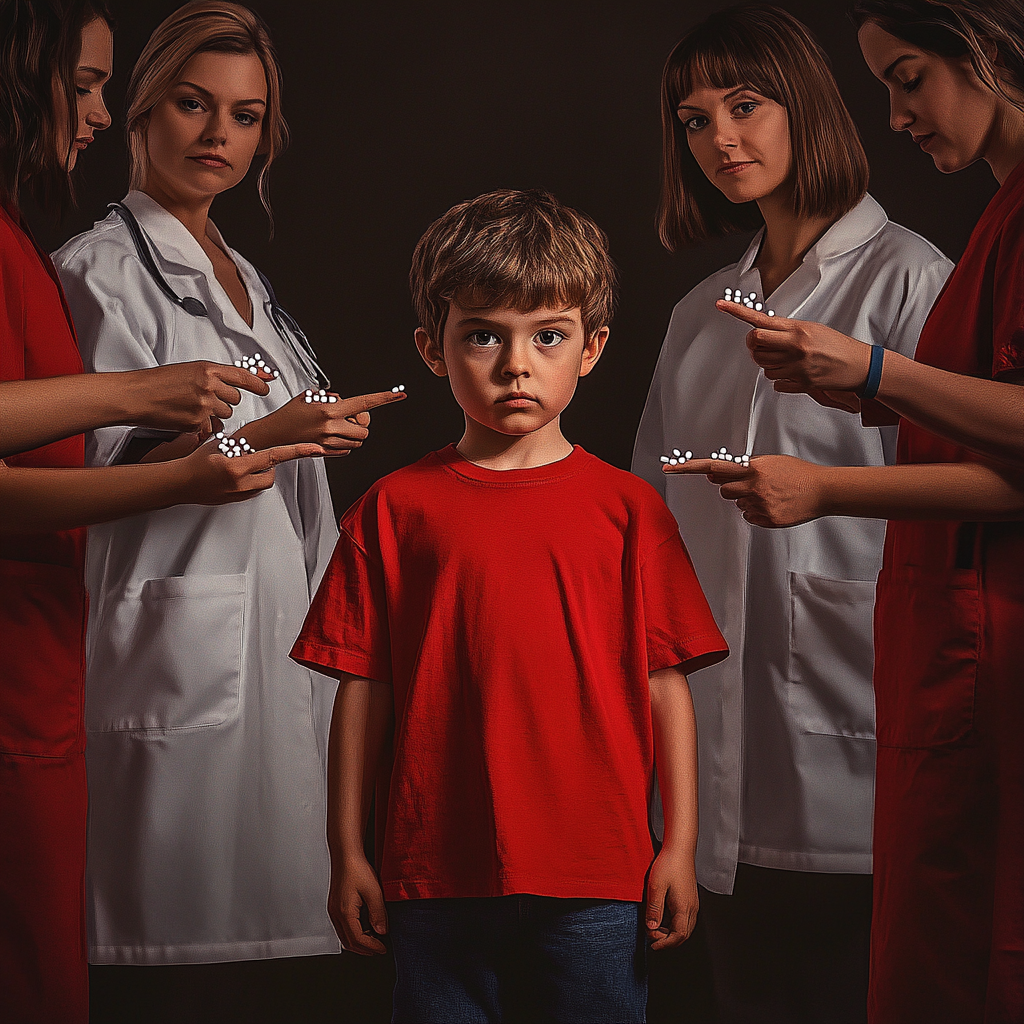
{"type": "Point", "coordinates": [948, 929]}
{"type": "Point", "coordinates": [43, 974]}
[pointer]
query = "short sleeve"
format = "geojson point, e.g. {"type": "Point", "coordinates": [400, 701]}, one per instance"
{"type": "Point", "coordinates": [346, 629]}
{"type": "Point", "coordinates": [680, 626]}
{"type": "Point", "coordinates": [1008, 300]}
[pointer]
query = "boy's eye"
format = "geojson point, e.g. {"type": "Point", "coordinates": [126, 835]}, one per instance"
{"type": "Point", "coordinates": [549, 339]}
{"type": "Point", "coordinates": [484, 339]}
{"type": "Point", "coordinates": [693, 124]}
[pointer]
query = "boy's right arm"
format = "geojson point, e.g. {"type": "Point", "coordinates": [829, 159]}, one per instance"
{"type": "Point", "coordinates": [360, 725]}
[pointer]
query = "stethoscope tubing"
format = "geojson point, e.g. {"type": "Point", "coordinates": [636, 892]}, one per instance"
{"type": "Point", "coordinates": [284, 323]}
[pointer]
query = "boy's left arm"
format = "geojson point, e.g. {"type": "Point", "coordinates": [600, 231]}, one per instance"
{"type": "Point", "coordinates": [671, 910]}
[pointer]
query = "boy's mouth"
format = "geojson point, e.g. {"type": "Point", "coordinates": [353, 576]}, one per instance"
{"type": "Point", "coordinates": [518, 399]}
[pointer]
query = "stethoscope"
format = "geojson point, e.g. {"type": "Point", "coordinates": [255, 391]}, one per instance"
{"type": "Point", "coordinates": [284, 322]}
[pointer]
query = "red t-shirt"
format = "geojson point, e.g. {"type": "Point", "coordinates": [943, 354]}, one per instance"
{"type": "Point", "coordinates": [517, 615]}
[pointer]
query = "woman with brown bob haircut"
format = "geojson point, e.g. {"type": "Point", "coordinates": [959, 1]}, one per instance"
{"type": "Point", "coordinates": [206, 742]}
{"type": "Point", "coordinates": [756, 136]}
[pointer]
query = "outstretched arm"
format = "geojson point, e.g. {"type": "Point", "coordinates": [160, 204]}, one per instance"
{"type": "Point", "coordinates": [671, 910]}
{"type": "Point", "coordinates": [800, 356]}
{"type": "Point", "coordinates": [780, 490]}
{"type": "Point", "coordinates": [185, 397]}
{"type": "Point", "coordinates": [42, 500]}
{"type": "Point", "coordinates": [360, 725]}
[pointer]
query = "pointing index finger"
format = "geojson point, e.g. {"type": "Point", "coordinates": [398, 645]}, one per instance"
{"type": "Point", "coordinates": [748, 315]}
{"type": "Point", "coordinates": [717, 469]}
{"type": "Point", "coordinates": [364, 403]}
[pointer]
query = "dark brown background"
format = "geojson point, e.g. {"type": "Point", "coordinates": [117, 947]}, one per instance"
{"type": "Point", "coordinates": [399, 110]}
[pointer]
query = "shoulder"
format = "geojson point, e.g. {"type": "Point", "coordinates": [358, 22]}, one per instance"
{"type": "Point", "coordinates": [106, 241]}
{"type": "Point", "coordinates": [402, 487]}
{"type": "Point", "coordinates": [639, 499]}
{"type": "Point", "coordinates": [899, 246]}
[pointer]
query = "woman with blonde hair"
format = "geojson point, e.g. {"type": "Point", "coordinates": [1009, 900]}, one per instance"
{"type": "Point", "coordinates": [206, 744]}
{"type": "Point", "coordinates": [755, 135]}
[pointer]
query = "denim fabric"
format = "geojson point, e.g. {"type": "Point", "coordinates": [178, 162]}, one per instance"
{"type": "Point", "coordinates": [503, 959]}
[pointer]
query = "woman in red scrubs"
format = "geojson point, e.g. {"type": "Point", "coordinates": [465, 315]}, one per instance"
{"type": "Point", "coordinates": [948, 929]}
{"type": "Point", "coordinates": [55, 56]}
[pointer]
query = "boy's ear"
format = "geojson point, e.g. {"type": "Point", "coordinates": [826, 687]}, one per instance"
{"type": "Point", "coordinates": [432, 353]}
{"type": "Point", "coordinates": [592, 349]}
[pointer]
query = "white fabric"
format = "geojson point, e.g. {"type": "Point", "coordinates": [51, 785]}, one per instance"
{"type": "Point", "coordinates": [206, 743]}
{"type": "Point", "coordinates": [786, 723]}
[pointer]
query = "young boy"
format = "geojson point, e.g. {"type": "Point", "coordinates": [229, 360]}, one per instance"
{"type": "Point", "coordinates": [523, 614]}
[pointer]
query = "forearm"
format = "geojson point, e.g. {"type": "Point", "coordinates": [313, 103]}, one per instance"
{"type": "Point", "coordinates": [983, 415]}
{"type": "Point", "coordinates": [34, 413]}
{"type": "Point", "coordinates": [969, 491]}
{"type": "Point", "coordinates": [675, 757]}
{"type": "Point", "coordinates": [360, 727]}
{"type": "Point", "coordinates": [43, 500]}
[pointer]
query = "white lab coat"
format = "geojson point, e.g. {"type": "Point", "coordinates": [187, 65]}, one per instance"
{"type": "Point", "coordinates": [206, 743]}
{"type": "Point", "coordinates": [786, 723]}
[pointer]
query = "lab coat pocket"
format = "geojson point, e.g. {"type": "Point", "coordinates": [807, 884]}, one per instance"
{"type": "Point", "coordinates": [928, 635]}
{"type": "Point", "coordinates": [42, 638]}
{"type": "Point", "coordinates": [831, 655]}
{"type": "Point", "coordinates": [168, 657]}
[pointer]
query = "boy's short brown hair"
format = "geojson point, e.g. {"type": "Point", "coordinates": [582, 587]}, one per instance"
{"type": "Point", "coordinates": [522, 250]}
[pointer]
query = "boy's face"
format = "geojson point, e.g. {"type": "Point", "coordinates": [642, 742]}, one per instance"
{"type": "Point", "coordinates": [512, 372]}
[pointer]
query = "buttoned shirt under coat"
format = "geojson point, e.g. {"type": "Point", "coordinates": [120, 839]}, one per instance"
{"type": "Point", "coordinates": [786, 723]}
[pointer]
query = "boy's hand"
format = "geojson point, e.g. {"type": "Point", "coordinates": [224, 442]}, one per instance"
{"type": "Point", "coordinates": [671, 910]}
{"type": "Point", "coordinates": [355, 891]}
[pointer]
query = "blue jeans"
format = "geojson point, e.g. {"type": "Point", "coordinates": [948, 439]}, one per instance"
{"type": "Point", "coordinates": [530, 958]}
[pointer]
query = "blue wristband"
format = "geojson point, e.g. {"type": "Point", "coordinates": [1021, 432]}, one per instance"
{"type": "Point", "coordinates": [870, 388]}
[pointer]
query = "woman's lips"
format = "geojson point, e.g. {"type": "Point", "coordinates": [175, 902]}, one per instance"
{"type": "Point", "coordinates": [735, 168]}
{"type": "Point", "coordinates": [210, 161]}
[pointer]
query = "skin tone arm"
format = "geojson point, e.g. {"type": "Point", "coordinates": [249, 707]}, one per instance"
{"type": "Point", "coordinates": [985, 416]}
{"type": "Point", "coordinates": [779, 490]}
{"type": "Point", "coordinates": [338, 427]}
{"type": "Point", "coordinates": [360, 727]}
{"type": "Point", "coordinates": [671, 910]}
{"type": "Point", "coordinates": [187, 397]}
{"type": "Point", "coordinates": [43, 500]}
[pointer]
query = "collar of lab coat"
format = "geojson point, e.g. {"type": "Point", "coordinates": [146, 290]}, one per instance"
{"type": "Point", "coordinates": [850, 232]}
{"type": "Point", "coordinates": [174, 244]}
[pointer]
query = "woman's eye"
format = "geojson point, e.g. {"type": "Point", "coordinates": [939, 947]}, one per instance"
{"type": "Point", "coordinates": [246, 119]}
{"type": "Point", "coordinates": [190, 105]}
{"type": "Point", "coordinates": [484, 339]}
{"type": "Point", "coordinates": [747, 107]}
{"type": "Point", "coordinates": [695, 123]}
{"type": "Point", "coordinates": [82, 91]}
{"type": "Point", "coordinates": [911, 84]}
{"type": "Point", "coordinates": [549, 339]}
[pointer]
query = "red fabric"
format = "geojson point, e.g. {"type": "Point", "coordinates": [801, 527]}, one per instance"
{"type": "Point", "coordinates": [43, 974]}
{"type": "Point", "coordinates": [517, 615]}
{"type": "Point", "coordinates": [948, 927]}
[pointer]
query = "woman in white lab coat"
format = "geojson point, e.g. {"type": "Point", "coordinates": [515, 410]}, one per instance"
{"type": "Point", "coordinates": [205, 742]}
{"type": "Point", "coordinates": [756, 134]}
